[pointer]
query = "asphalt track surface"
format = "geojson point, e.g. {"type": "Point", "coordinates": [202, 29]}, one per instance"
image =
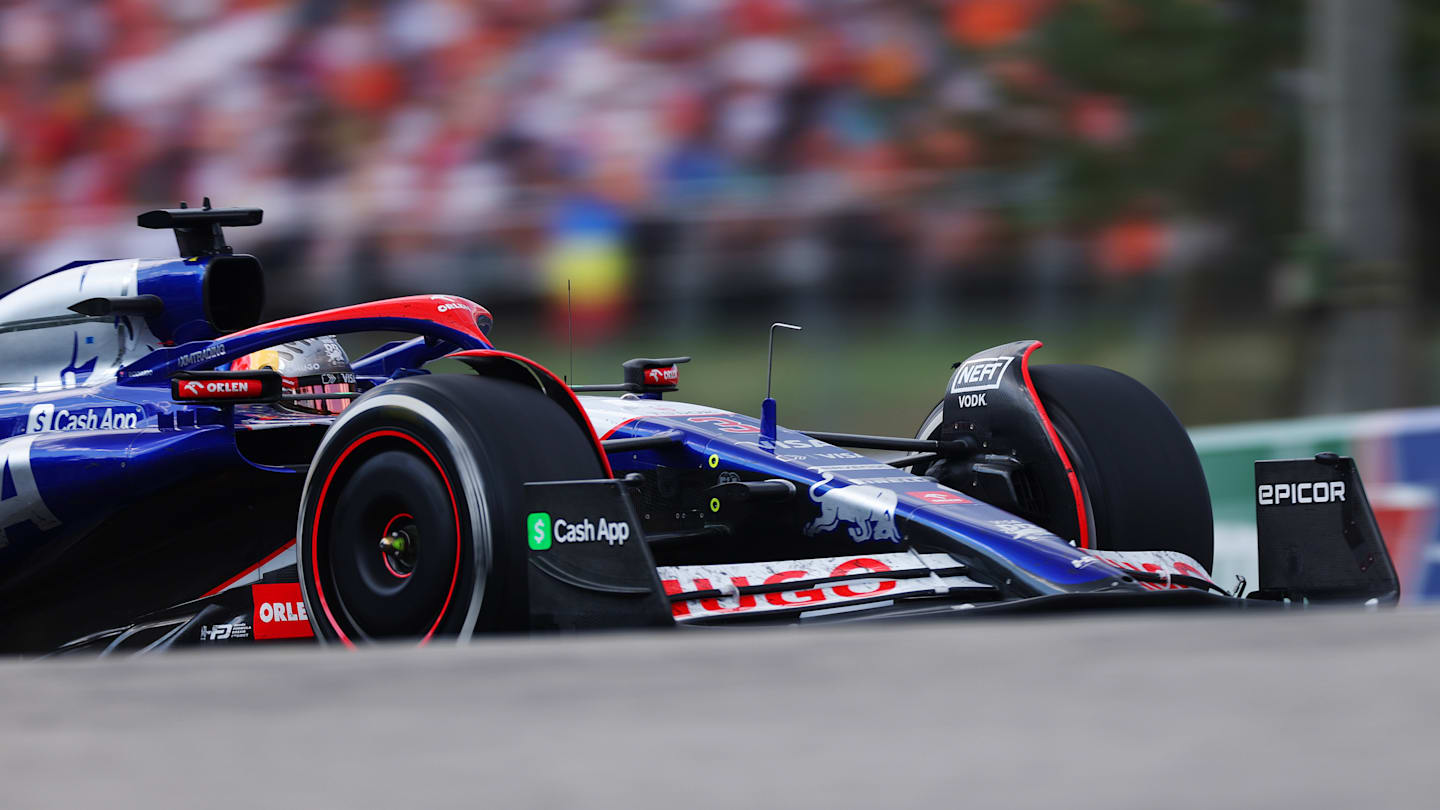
{"type": "Point", "coordinates": [1294, 711]}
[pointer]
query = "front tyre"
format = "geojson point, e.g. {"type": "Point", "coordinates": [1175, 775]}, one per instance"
{"type": "Point", "coordinates": [1138, 471]}
{"type": "Point", "coordinates": [1139, 476]}
{"type": "Point", "coordinates": [411, 522]}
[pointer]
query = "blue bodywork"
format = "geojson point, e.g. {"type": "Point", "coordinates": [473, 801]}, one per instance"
{"type": "Point", "coordinates": [113, 495]}
{"type": "Point", "coordinates": [1040, 560]}
{"type": "Point", "coordinates": [116, 502]}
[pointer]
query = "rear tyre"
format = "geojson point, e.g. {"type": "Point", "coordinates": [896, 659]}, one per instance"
{"type": "Point", "coordinates": [411, 522]}
{"type": "Point", "coordinates": [1141, 480]}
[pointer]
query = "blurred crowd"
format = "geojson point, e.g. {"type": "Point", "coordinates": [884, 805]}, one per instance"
{"type": "Point", "coordinates": [701, 151]}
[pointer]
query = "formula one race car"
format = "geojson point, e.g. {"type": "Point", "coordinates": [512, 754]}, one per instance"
{"type": "Point", "coordinates": [175, 473]}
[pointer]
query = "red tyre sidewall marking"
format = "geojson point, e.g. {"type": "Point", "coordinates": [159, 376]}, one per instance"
{"type": "Point", "coordinates": [1059, 448]}
{"type": "Point", "coordinates": [320, 506]}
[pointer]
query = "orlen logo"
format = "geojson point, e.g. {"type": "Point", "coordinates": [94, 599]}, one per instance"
{"type": "Point", "coordinates": [280, 611]}
{"type": "Point", "coordinates": [219, 389]}
{"type": "Point", "coordinates": [1303, 492]}
{"type": "Point", "coordinates": [669, 375]}
{"type": "Point", "coordinates": [979, 375]}
{"type": "Point", "coordinates": [450, 303]}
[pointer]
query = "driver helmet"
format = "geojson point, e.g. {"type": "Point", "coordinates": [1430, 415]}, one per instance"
{"type": "Point", "coordinates": [312, 366]}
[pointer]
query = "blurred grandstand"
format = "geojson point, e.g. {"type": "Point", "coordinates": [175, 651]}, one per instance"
{"type": "Point", "coordinates": [1090, 166]}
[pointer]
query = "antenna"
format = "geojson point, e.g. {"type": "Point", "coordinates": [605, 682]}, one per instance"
{"type": "Point", "coordinates": [768, 419]}
{"type": "Point", "coordinates": [570, 327]}
{"type": "Point", "coordinates": [770, 363]}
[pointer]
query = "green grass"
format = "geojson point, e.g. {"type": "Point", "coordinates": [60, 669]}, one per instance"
{"type": "Point", "coordinates": [881, 378]}
{"type": "Point", "coordinates": [886, 380]}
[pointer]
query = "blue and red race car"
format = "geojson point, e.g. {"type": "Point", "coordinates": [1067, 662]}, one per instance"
{"type": "Point", "coordinates": [176, 473]}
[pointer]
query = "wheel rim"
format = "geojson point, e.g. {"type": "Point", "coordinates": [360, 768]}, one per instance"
{"type": "Point", "coordinates": [387, 539]}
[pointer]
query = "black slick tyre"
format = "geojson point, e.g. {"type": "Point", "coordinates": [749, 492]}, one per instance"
{"type": "Point", "coordinates": [411, 523]}
{"type": "Point", "coordinates": [1140, 476]}
{"type": "Point", "coordinates": [1142, 483]}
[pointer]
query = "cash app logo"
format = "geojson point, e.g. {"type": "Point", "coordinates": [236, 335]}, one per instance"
{"type": "Point", "coordinates": [537, 528]}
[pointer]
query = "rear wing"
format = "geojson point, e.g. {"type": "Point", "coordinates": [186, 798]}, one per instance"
{"type": "Point", "coordinates": [1317, 538]}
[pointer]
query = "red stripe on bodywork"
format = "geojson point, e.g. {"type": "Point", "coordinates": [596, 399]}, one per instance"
{"type": "Point", "coordinates": [248, 571]}
{"type": "Point", "coordinates": [452, 311]}
{"type": "Point", "coordinates": [611, 431]}
{"type": "Point", "coordinates": [1059, 448]}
